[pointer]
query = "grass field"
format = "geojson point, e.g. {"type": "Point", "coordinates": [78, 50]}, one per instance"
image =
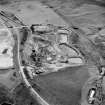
{"type": "Point", "coordinates": [64, 87]}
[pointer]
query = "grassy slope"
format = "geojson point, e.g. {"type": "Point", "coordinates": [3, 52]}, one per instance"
{"type": "Point", "coordinates": [62, 88]}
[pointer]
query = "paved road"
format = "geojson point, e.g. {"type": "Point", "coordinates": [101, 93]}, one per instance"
{"type": "Point", "coordinates": [35, 94]}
